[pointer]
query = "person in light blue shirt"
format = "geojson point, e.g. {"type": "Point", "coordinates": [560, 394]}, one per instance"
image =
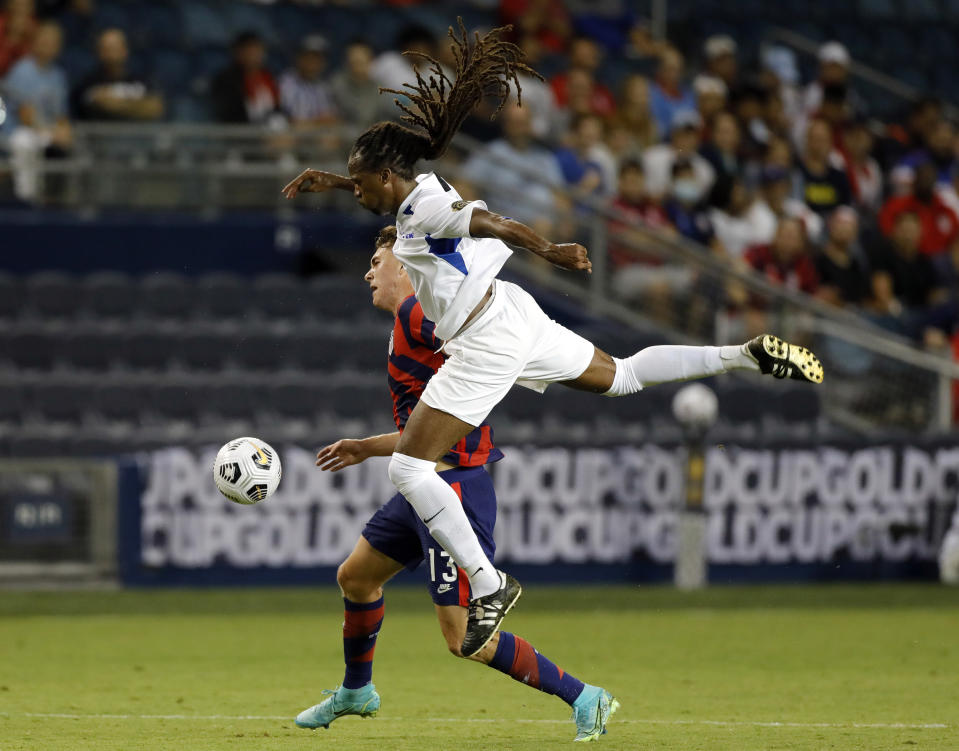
{"type": "Point", "coordinates": [668, 95]}
{"type": "Point", "coordinates": [520, 174]}
{"type": "Point", "coordinates": [37, 82]}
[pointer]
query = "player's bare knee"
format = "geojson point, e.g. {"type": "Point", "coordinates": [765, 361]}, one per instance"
{"type": "Point", "coordinates": [354, 585]}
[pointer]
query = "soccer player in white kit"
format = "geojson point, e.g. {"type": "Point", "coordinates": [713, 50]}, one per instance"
{"type": "Point", "coordinates": [494, 333]}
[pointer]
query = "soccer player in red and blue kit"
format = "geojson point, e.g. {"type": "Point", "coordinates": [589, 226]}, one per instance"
{"type": "Point", "coordinates": [396, 538]}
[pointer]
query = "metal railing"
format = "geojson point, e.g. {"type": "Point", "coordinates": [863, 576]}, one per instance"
{"type": "Point", "coordinates": [874, 377]}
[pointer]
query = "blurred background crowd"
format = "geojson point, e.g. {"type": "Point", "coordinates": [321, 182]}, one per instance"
{"type": "Point", "coordinates": [771, 164]}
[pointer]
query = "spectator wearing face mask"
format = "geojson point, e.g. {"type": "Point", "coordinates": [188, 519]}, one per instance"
{"type": "Point", "coordinates": [938, 223]}
{"type": "Point", "coordinates": [683, 143]}
{"type": "Point", "coordinates": [686, 207]}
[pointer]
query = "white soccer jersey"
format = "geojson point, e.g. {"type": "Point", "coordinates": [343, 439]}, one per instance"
{"type": "Point", "coordinates": [450, 270]}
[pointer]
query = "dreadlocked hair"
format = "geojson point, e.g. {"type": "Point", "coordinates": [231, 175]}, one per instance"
{"type": "Point", "coordinates": [483, 66]}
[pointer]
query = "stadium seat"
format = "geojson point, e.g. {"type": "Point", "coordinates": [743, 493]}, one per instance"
{"type": "Point", "coordinates": [873, 10]}
{"type": "Point", "coordinates": [355, 400]}
{"type": "Point", "coordinates": [334, 297]}
{"type": "Point", "coordinates": [66, 399]}
{"type": "Point", "coordinates": [202, 25]}
{"type": "Point", "coordinates": [238, 398]}
{"type": "Point", "coordinates": [95, 349]}
{"type": "Point", "coordinates": [38, 440]}
{"type": "Point", "coordinates": [183, 398]}
{"type": "Point", "coordinates": [11, 296]}
{"type": "Point", "coordinates": [921, 10]}
{"type": "Point", "coordinates": [261, 350]}
{"type": "Point", "coordinates": [12, 401]}
{"type": "Point", "coordinates": [51, 294]}
{"type": "Point", "coordinates": [365, 351]}
{"type": "Point", "coordinates": [109, 294]}
{"type": "Point", "coordinates": [166, 295]}
{"type": "Point", "coordinates": [297, 398]}
{"type": "Point", "coordinates": [148, 347]}
{"type": "Point", "coordinates": [240, 17]}
{"type": "Point", "coordinates": [171, 70]}
{"type": "Point", "coordinates": [34, 348]}
{"type": "Point", "coordinates": [280, 296]}
{"type": "Point", "coordinates": [204, 349]}
{"type": "Point", "coordinates": [121, 400]}
{"type": "Point", "coordinates": [158, 25]}
{"type": "Point", "coordinates": [223, 295]}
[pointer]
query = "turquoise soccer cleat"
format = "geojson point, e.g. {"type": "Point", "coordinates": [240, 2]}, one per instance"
{"type": "Point", "coordinates": [364, 702]}
{"type": "Point", "coordinates": [591, 711]}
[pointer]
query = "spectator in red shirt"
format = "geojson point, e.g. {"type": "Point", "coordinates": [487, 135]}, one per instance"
{"type": "Point", "coordinates": [547, 19]}
{"type": "Point", "coordinates": [786, 260]}
{"type": "Point", "coordinates": [637, 256]}
{"type": "Point", "coordinates": [584, 55]}
{"type": "Point", "coordinates": [637, 208]}
{"type": "Point", "coordinates": [246, 91]}
{"type": "Point", "coordinates": [17, 24]}
{"type": "Point", "coordinates": [940, 225]}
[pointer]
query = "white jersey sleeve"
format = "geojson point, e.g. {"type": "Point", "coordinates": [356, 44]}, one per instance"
{"type": "Point", "coordinates": [444, 216]}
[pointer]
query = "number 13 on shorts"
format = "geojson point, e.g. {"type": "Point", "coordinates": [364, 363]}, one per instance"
{"type": "Point", "coordinates": [450, 573]}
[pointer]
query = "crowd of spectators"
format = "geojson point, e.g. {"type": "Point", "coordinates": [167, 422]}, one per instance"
{"type": "Point", "coordinates": [799, 182]}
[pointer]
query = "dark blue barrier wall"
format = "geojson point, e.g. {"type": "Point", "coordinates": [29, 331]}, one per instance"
{"type": "Point", "coordinates": [246, 243]}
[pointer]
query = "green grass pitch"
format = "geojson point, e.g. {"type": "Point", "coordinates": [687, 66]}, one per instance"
{"type": "Point", "coordinates": [797, 668]}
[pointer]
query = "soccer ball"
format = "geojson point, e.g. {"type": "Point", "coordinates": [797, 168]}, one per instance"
{"type": "Point", "coordinates": [696, 406]}
{"type": "Point", "coordinates": [247, 470]}
{"type": "Point", "coordinates": [949, 558]}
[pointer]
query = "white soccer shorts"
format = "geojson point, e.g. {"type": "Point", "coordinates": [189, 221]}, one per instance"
{"type": "Point", "coordinates": [512, 341]}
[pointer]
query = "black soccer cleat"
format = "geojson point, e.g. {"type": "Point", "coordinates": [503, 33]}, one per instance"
{"type": "Point", "coordinates": [781, 359]}
{"type": "Point", "coordinates": [487, 613]}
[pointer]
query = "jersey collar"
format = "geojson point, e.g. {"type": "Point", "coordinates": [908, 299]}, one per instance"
{"type": "Point", "coordinates": [407, 206]}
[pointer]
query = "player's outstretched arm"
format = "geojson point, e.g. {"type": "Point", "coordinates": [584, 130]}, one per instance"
{"type": "Point", "coordinates": [349, 451]}
{"type": "Point", "coordinates": [565, 255]}
{"type": "Point", "coordinates": [316, 181]}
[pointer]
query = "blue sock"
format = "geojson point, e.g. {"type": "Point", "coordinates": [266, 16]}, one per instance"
{"type": "Point", "coordinates": [516, 657]}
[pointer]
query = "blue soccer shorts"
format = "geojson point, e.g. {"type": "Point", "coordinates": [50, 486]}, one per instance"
{"type": "Point", "coordinates": [397, 532]}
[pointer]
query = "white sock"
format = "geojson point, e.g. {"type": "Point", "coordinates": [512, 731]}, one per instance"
{"type": "Point", "coordinates": [665, 363]}
{"type": "Point", "coordinates": [441, 510]}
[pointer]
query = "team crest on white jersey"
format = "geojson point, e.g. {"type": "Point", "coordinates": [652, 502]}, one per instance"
{"type": "Point", "coordinates": [457, 205]}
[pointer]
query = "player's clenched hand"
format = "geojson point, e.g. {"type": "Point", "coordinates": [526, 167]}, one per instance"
{"type": "Point", "coordinates": [312, 181]}
{"type": "Point", "coordinates": [568, 256]}
{"type": "Point", "coordinates": [344, 453]}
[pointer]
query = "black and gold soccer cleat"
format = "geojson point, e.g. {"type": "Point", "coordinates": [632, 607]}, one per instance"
{"type": "Point", "coordinates": [781, 359]}
{"type": "Point", "coordinates": [485, 614]}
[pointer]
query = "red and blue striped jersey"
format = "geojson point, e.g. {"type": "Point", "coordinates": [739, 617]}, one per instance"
{"type": "Point", "coordinates": [414, 358]}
